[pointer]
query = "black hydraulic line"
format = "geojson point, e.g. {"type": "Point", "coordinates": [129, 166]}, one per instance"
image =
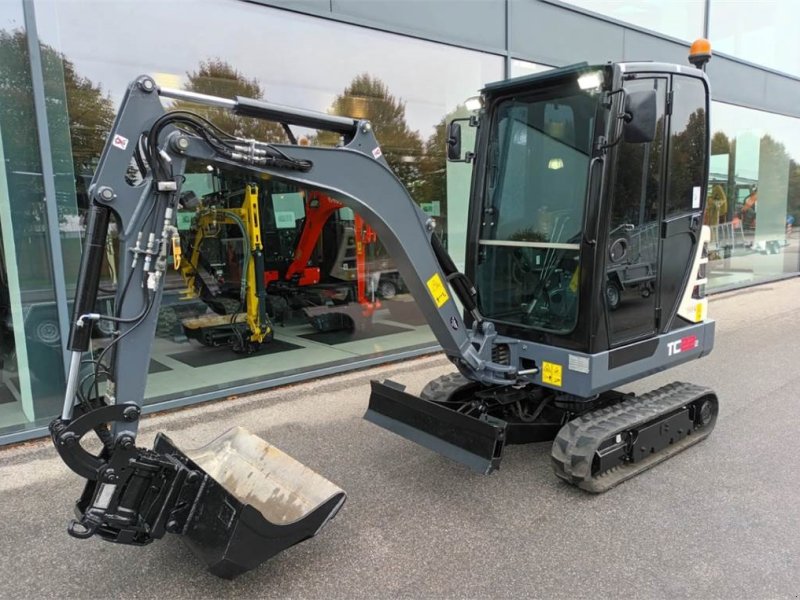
{"type": "Point", "coordinates": [289, 134]}
{"type": "Point", "coordinates": [94, 248]}
{"type": "Point", "coordinates": [462, 286]}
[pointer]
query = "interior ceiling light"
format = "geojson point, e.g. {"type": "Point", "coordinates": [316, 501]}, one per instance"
{"type": "Point", "coordinates": [555, 164]}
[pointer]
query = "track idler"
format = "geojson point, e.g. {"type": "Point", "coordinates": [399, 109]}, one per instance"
{"type": "Point", "coordinates": [236, 502]}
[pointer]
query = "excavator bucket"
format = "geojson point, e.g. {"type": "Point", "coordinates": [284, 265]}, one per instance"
{"type": "Point", "coordinates": [474, 442]}
{"type": "Point", "coordinates": [255, 501]}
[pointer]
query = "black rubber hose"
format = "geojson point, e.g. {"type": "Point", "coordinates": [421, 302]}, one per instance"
{"type": "Point", "coordinates": [94, 248]}
{"type": "Point", "coordinates": [462, 286]}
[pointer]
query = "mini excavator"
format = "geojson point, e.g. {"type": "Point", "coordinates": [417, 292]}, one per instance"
{"type": "Point", "coordinates": [299, 282]}
{"type": "Point", "coordinates": [568, 165]}
{"type": "Point", "coordinates": [244, 331]}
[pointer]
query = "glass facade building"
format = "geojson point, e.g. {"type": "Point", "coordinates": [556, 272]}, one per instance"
{"type": "Point", "coordinates": [408, 66]}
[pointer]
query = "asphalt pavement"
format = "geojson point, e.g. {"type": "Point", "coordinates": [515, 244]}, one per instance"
{"type": "Point", "coordinates": [720, 520]}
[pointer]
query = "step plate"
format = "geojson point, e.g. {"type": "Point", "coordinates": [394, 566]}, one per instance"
{"type": "Point", "coordinates": [475, 443]}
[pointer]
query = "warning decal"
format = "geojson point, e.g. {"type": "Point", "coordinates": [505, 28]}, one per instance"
{"type": "Point", "coordinates": [120, 142]}
{"type": "Point", "coordinates": [551, 373]}
{"type": "Point", "coordinates": [437, 290]}
{"type": "Point", "coordinates": [698, 312]}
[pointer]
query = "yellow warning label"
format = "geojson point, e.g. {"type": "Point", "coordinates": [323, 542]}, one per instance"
{"type": "Point", "coordinates": [437, 290]}
{"type": "Point", "coordinates": [551, 373]}
{"type": "Point", "coordinates": [573, 283]}
{"type": "Point", "coordinates": [698, 312]}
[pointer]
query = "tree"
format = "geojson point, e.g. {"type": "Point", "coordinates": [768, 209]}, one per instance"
{"type": "Point", "coordinates": [687, 157]}
{"type": "Point", "coordinates": [217, 77]}
{"type": "Point", "coordinates": [794, 190]}
{"type": "Point", "coordinates": [367, 97]}
{"type": "Point", "coordinates": [17, 116]}
{"type": "Point", "coordinates": [79, 118]}
{"type": "Point", "coordinates": [77, 134]}
{"type": "Point", "coordinates": [91, 116]}
{"type": "Point", "coordinates": [433, 166]}
{"type": "Point", "coordinates": [720, 144]}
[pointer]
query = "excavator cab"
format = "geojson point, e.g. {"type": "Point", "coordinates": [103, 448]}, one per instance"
{"type": "Point", "coordinates": [588, 185]}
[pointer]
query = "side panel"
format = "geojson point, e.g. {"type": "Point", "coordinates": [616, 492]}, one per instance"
{"type": "Point", "coordinates": [584, 375]}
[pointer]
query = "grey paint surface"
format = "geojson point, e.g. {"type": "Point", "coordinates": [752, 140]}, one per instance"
{"type": "Point", "coordinates": [720, 520]}
{"type": "Point", "coordinates": [730, 84]}
{"type": "Point", "coordinates": [781, 94]}
{"type": "Point", "coordinates": [477, 22]}
{"type": "Point", "coordinates": [639, 46]}
{"type": "Point", "coordinates": [550, 35]}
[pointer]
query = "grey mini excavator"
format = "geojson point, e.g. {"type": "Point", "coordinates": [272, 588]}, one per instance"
{"type": "Point", "coordinates": [571, 168]}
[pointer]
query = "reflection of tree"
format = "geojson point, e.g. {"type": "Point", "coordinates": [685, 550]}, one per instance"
{"type": "Point", "coordinates": [367, 97]}
{"type": "Point", "coordinates": [22, 169]}
{"type": "Point", "coordinates": [89, 112]}
{"type": "Point", "coordinates": [687, 161]}
{"type": "Point", "coordinates": [91, 115]}
{"type": "Point", "coordinates": [17, 116]}
{"type": "Point", "coordinates": [529, 235]}
{"type": "Point", "coordinates": [433, 167]}
{"type": "Point", "coordinates": [633, 204]}
{"type": "Point", "coordinates": [720, 144]}
{"type": "Point", "coordinates": [216, 77]}
{"type": "Point", "coordinates": [794, 190]}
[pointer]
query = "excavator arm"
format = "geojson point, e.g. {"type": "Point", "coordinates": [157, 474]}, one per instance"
{"type": "Point", "coordinates": [135, 495]}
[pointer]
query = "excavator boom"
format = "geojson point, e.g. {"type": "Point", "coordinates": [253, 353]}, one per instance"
{"type": "Point", "coordinates": [134, 495]}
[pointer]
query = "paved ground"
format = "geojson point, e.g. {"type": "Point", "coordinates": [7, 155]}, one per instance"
{"type": "Point", "coordinates": [721, 520]}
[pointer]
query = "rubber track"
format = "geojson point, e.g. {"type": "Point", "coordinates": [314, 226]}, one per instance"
{"type": "Point", "coordinates": [576, 443]}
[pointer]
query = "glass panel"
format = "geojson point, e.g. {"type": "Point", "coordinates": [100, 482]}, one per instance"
{"type": "Point", "coordinates": [681, 19]}
{"type": "Point", "coordinates": [687, 145]}
{"type": "Point", "coordinates": [524, 67]}
{"type": "Point", "coordinates": [32, 375]}
{"type": "Point", "coordinates": [536, 186]}
{"type": "Point", "coordinates": [760, 31]}
{"type": "Point", "coordinates": [406, 87]}
{"type": "Point", "coordinates": [753, 196]}
{"type": "Point", "coordinates": [632, 256]}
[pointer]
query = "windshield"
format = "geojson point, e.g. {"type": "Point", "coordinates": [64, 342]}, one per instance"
{"type": "Point", "coordinates": [537, 170]}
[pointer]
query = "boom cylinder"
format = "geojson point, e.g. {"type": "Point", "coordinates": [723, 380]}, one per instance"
{"type": "Point", "coordinates": [89, 276]}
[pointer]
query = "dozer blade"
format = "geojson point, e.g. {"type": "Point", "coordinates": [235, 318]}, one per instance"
{"type": "Point", "coordinates": [476, 443]}
{"type": "Point", "coordinates": [255, 502]}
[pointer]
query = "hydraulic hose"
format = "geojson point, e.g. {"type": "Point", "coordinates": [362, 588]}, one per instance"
{"type": "Point", "coordinates": [462, 286]}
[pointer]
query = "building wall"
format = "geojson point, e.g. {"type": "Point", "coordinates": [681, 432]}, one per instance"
{"type": "Point", "coordinates": [406, 64]}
